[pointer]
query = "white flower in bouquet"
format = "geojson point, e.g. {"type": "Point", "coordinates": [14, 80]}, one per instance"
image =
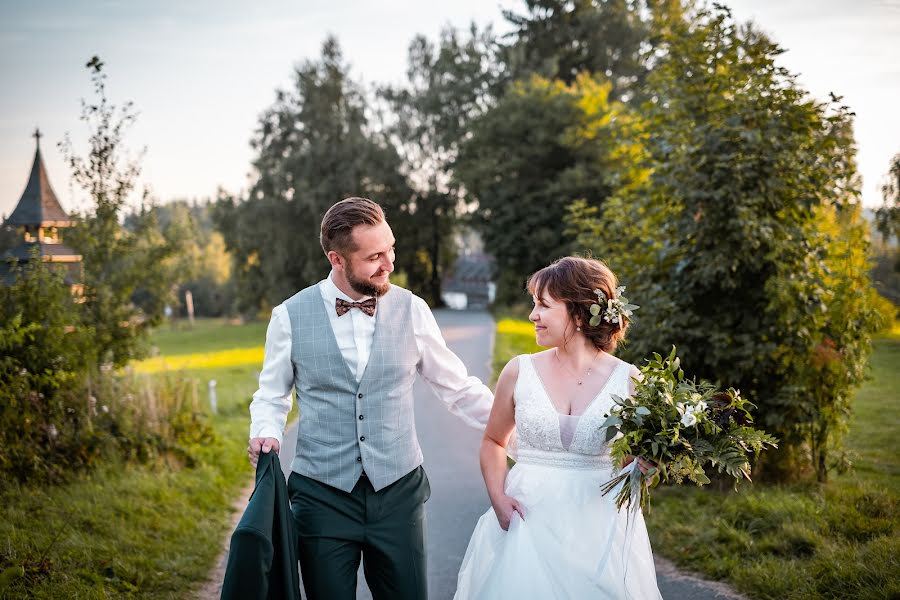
{"type": "Point", "coordinates": [689, 418]}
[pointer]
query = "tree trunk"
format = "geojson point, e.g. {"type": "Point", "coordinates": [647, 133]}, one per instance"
{"type": "Point", "coordinates": [436, 300]}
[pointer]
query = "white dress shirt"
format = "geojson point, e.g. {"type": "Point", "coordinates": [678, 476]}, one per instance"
{"type": "Point", "coordinates": [465, 396]}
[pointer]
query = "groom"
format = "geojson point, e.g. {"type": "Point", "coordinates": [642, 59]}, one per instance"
{"type": "Point", "coordinates": [351, 347]}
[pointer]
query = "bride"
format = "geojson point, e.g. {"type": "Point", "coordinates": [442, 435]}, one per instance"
{"type": "Point", "coordinates": [551, 534]}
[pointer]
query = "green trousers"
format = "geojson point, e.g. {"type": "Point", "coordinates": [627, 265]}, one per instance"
{"type": "Point", "coordinates": [385, 528]}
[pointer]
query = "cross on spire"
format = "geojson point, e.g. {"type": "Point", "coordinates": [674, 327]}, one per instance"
{"type": "Point", "coordinates": [37, 135]}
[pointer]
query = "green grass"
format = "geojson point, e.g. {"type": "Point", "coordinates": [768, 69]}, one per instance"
{"type": "Point", "coordinates": [207, 335]}
{"type": "Point", "coordinates": [150, 531]}
{"type": "Point", "coordinates": [800, 541]}
{"type": "Point", "coordinates": [875, 425]}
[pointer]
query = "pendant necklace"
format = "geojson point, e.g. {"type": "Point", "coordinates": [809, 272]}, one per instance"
{"type": "Point", "coordinates": [575, 375]}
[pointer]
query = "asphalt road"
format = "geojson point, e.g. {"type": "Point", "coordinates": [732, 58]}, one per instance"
{"type": "Point", "coordinates": [451, 462]}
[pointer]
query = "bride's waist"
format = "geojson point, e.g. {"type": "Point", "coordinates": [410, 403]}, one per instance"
{"type": "Point", "coordinates": [563, 460]}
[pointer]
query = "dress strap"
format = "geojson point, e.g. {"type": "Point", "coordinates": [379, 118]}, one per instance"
{"type": "Point", "coordinates": [624, 377]}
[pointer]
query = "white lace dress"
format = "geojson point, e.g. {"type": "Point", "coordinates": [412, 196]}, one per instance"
{"type": "Point", "coordinates": [573, 543]}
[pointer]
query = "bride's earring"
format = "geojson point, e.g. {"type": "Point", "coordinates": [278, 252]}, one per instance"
{"type": "Point", "coordinates": [578, 328]}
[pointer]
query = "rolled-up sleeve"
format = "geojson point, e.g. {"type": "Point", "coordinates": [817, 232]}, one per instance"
{"type": "Point", "coordinates": [272, 401]}
{"type": "Point", "coordinates": [465, 395]}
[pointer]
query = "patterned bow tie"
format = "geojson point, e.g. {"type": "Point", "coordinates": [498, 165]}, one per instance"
{"type": "Point", "coordinates": [342, 306]}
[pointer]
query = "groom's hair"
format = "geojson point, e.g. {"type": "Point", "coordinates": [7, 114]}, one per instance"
{"type": "Point", "coordinates": [342, 217]}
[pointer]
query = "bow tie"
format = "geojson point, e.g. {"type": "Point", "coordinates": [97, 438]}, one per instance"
{"type": "Point", "coordinates": [342, 306]}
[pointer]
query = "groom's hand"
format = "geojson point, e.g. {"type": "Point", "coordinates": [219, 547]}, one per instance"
{"type": "Point", "coordinates": [264, 445]}
{"type": "Point", "coordinates": [504, 508]}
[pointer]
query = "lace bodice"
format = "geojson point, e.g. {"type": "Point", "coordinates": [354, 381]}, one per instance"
{"type": "Point", "coordinates": [538, 432]}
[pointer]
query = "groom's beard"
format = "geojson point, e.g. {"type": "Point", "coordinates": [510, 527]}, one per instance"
{"type": "Point", "coordinates": [364, 286]}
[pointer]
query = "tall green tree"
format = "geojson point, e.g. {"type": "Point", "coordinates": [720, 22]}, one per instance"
{"type": "Point", "coordinates": [314, 146]}
{"type": "Point", "coordinates": [886, 271]}
{"type": "Point", "coordinates": [559, 39]}
{"type": "Point", "coordinates": [117, 262]}
{"type": "Point", "coordinates": [745, 247]}
{"type": "Point", "coordinates": [543, 146]}
{"type": "Point", "coordinates": [888, 215]}
{"type": "Point", "coordinates": [449, 83]}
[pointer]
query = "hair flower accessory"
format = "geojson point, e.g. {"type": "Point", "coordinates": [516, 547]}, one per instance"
{"type": "Point", "coordinates": [612, 310]}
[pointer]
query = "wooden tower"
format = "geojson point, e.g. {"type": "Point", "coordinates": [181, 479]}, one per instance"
{"type": "Point", "coordinates": [41, 220]}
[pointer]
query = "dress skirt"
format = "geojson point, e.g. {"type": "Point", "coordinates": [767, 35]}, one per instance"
{"type": "Point", "coordinates": [573, 544]}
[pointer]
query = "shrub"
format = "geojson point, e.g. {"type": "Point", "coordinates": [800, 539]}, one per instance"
{"type": "Point", "coordinates": [58, 413]}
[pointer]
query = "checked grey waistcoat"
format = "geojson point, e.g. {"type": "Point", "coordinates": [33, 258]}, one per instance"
{"type": "Point", "coordinates": [345, 426]}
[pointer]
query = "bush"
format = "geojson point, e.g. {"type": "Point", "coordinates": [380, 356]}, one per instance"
{"type": "Point", "coordinates": [745, 246]}
{"type": "Point", "coordinates": [41, 338]}
{"type": "Point", "coordinates": [59, 414]}
{"type": "Point", "coordinates": [887, 311]}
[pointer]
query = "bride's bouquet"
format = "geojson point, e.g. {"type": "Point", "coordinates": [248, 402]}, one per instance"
{"type": "Point", "coordinates": [682, 426]}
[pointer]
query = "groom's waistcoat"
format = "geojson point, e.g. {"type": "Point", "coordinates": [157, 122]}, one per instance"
{"type": "Point", "coordinates": [346, 427]}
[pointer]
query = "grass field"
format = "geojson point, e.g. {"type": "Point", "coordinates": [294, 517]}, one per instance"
{"type": "Point", "coordinates": [207, 335]}
{"type": "Point", "coordinates": [149, 531]}
{"type": "Point", "coordinates": [801, 541]}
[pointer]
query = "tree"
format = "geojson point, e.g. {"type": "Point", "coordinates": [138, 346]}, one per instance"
{"type": "Point", "coordinates": [448, 85]}
{"type": "Point", "coordinates": [745, 247]}
{"type": "Point", "coordinates": [314, 147]}
{"type": "Point", "coordinates": [202, 265]}
{"type": "Point", "coordinates": [886, 272]}
{"type": "Point", "coordinates": [559, 39]}
{"type": "Point", "coordinates": [888, 215]}
{"type": "Point", "coordinates": [542, 147]}
{"type": "Point", "coordinates": [116, 261]}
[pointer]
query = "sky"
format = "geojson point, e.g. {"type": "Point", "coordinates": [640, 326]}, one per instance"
{"type": "Point", "coordinates": [200, 73]}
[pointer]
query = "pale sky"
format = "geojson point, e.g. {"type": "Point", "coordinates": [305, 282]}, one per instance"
{"type": "Point", "coordinates": [200, 72]}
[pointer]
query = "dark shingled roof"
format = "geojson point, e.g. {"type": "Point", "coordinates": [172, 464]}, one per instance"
{"type": "Point", "coordinates": [38, 205]}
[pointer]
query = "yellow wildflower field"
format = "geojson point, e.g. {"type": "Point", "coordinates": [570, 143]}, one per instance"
{"type": "Point", "coordinates": [236, 357]}
{"type": "Point", "coordinates": [515, 327]}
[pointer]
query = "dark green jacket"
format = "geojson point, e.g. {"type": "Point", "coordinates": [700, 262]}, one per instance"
{"type": "Point", "coordinates": [262, 562]}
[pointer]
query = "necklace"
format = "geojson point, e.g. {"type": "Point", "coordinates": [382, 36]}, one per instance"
{"type": "Point", "coordinates": [575, 375]}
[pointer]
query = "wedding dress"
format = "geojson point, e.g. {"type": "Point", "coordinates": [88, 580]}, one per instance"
{"type": "Point", "coordinates": [572, 544]}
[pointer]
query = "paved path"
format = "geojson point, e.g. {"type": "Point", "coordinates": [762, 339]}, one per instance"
{"type": "Point", "coordinates": [451, 461]}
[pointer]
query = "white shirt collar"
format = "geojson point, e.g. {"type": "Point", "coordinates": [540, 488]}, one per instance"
{"type": "Point", "coordinates": [330, 291]}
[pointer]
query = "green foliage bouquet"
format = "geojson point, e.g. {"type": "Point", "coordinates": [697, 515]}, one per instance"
{"type": "Point", "coordinates": [684, 427]}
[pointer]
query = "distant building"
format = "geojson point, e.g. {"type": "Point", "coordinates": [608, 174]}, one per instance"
{"type": "Point", "coordinates": [469, 282]}
{"type": "Point", "coordinates": [41, 220]}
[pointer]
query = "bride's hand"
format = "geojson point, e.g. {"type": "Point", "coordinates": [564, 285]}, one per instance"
{"type": "Point", "coordinates": [643, 464]}
{"type": "Point", "coordinates": [504, 508]}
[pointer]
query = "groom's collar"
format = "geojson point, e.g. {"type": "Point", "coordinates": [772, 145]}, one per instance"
{"type": "Point", "coordinates": [330, 291]}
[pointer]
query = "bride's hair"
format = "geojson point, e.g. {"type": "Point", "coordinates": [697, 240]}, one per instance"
{"type": "Point", "coordinates": [572, 280]}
